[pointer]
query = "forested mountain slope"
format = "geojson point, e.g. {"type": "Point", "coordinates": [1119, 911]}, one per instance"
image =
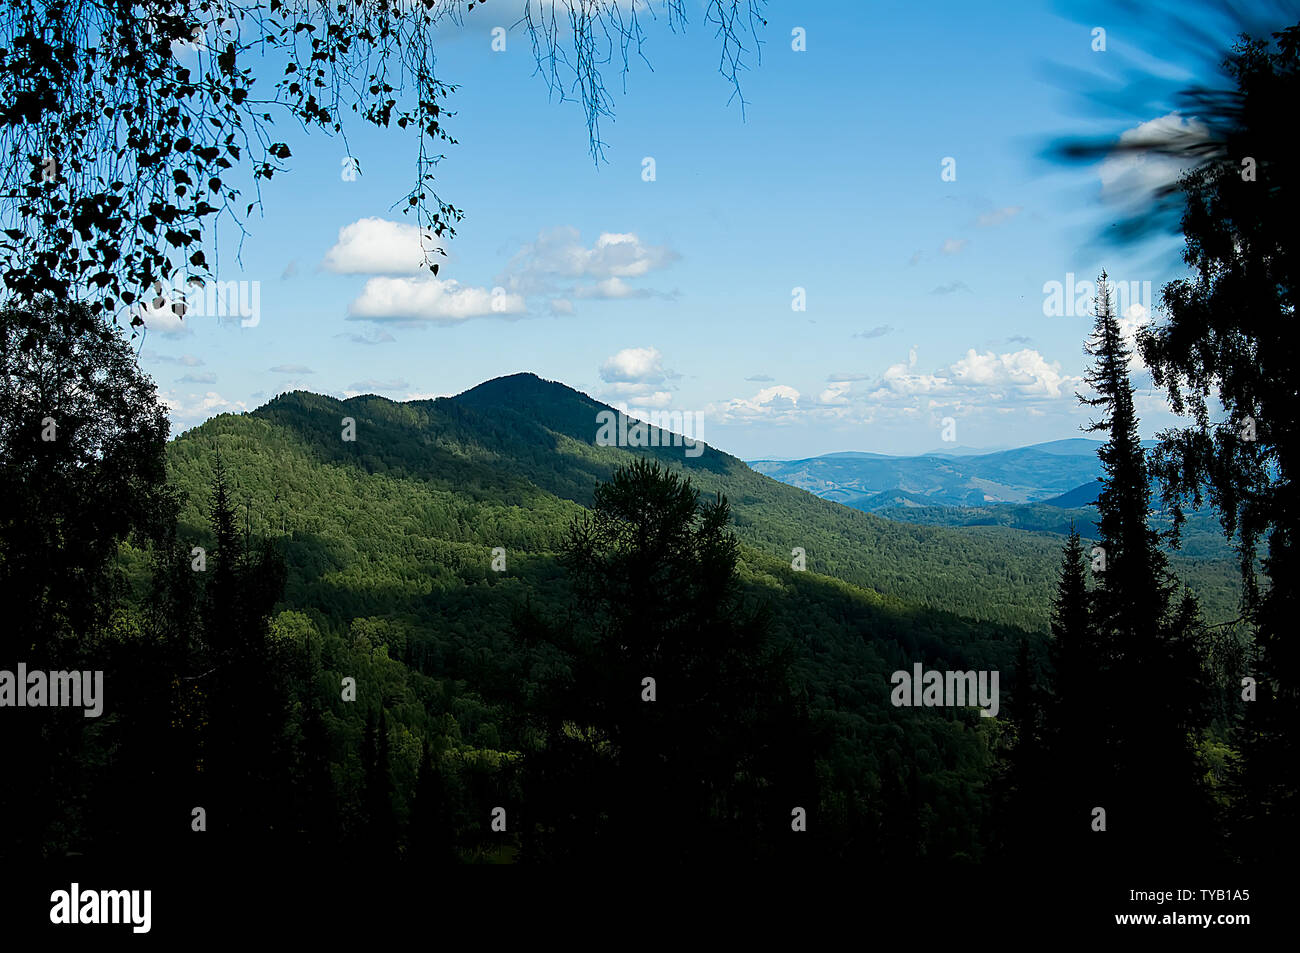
{"type": "Point", "coordinates": [389, 543]}
{"type": "Point", "coordinates": [506, 461]}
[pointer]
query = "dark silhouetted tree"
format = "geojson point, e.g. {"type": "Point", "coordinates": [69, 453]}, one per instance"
{"type": "Point", "coordinates": [82, 471]}
{"type": "Point", "coordinates": [714, 765]}
{"type": "Point", "coordinates": [380, 835]}
{"type": "Point", "coordinates": [1149, 701]}
{"type": "Point", "coordinates": [1231, 332]}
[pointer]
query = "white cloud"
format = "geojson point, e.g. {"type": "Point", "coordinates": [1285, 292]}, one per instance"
{"type": "Point", "coordinates": [425, 395]}
{"type": "Point", "coordinates": [291, 369]}
{"type": "Point", "coordinates": [376, 246]}
{"type": "Point", "coordinates": [639, 394]}
{"type": "Point", "coordinates": [204, 378]}
{"type": "Point", "coordinates": [1127, 176]}
{"type": "Point", "coordinates": [899, 381]}
{"type": "Point", "coordinates": [188, 410]}
{"type": "Point", "coordinates": [1021, 376]}
{"type": "Point", "coordinates": [977, 383]}
{"type": "Point", "coordinates": [1026, 372]}
{"type": "Point", "coordinates": [430, 299]}
{"type": "Point", "coordinates": [611, 288]}
{"type": "Point", "coordinates": [837, 393]}
{"type": "Point", "coordinates": [1134, 318]}
{"type": "Point", "coordinates": [558, 255]}
{"type": "Point", "coordinates": [634, 364]}
{"type": "Point", "coordinates": [954, 245]}
{"type": "Point", "coordinates": [771, 403]}
{"type": "Point", "coordinates": [637, 373]}
{"type": "Point", "coordinates": [164, 320]}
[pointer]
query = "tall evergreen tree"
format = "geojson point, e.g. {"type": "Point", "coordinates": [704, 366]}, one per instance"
{"type": "Point", "coordinates": [432, 832]}
{"type": "Point", "coordinates": [1020, 774]}
{"type": "Point", "coordinates": [1231, 334]}
{"type": "Point", "coordinates": [1147, 698]}
{"type": "Point", "coordinates": [711, 764]}
{"type": "Point", "coordinates": [82, 470]}
{"type": "Point", "coordinates": [1076, 757]}
{"type": "Point", "coordinates": [242, 679]}
{"type": "Point", "coordinates": [381, 824]}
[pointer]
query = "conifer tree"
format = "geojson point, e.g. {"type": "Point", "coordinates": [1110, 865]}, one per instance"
{"type": "Point", "coordinates": [432, 839]}
{"type": "Point", "coordinates": [1228, 358]}
{"type": "Point", "coordinates": [381, 832]}
{"type": "Point", "coordinates": [694, 769]}
{"type": "Point", "coordinates": [1075, 752]}
{"type": "Point", "coordinates": [1146, 696]}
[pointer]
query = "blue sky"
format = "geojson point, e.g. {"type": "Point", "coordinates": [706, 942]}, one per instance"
{"type": "Point", "coordinates": [924, 297]}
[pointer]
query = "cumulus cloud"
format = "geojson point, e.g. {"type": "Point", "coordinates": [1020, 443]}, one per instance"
{"type": "Point", "coordinates": [431, 300]}
{"type": "Point", "coordinates": [558, 257]}
{"type": "Point", "coordinates": [771, 403]}
{"type": "Point", "coordinates": [1016, 382]}
{"type": "Point", "coordinates": [186, 410]}
{"type": "Point", "coordinates": [837, 393]}
{"type": "Point", "coordinates": [376, 246]}
{"type": "Point", "coordinates": [639, 395]}
{"type": "Point", "coordinates": [977, 378]}
{"type": "Point", "coordinates": [164, 320]}
{"type": "Point", "coordinates": [611, 288]}
{"type": "Point", "coordinates": [1129, 176]}
{"type": "Point", "coordinates": [1026, 372]}
{"type": "Point", "coordinates": [900, 381]}
{"type": "Point", "coordinates": [1134, 318]}
{"type": "Point", "coordinates": [425, 395]}
{"type": "Point", "coordinates": [637, 374]}
{"type": "Point", "coordinates": [634, 365]}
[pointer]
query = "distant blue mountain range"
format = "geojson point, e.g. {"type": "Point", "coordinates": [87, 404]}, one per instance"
{"type": "Point", "coordinates": [1060, 473]}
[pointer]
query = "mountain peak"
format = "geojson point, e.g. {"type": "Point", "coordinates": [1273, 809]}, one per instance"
{"type": "Point", "coordinates": [513, 386]}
